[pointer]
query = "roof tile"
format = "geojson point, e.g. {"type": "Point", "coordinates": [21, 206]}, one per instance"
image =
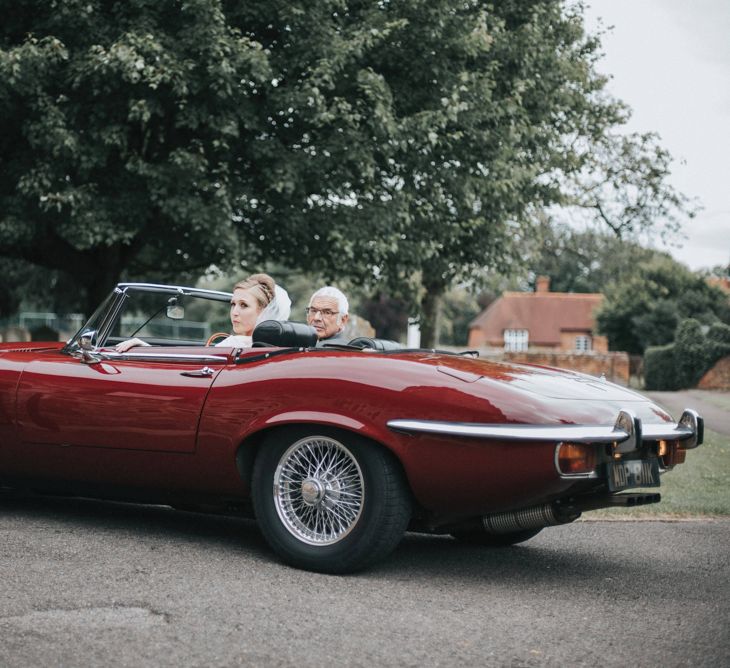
{"type": "Point", "coordinates": [543, 314]}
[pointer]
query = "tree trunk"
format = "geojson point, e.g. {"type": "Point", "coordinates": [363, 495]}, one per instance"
{"type": "Point", "coordinates": [96, 287]}
{"type": "Point", "coordinates": [431, 310]}
{"type": "Point", "coordinates": [95, 271]}
{"type": "Point", "coordinates": [102, 270]}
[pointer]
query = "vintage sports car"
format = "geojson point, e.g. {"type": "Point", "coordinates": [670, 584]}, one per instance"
{"type": "Point", "coordinates": [336, 450]}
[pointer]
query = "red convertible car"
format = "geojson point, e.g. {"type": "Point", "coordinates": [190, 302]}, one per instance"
{"type": "Point", "coordinates": [336, 450]}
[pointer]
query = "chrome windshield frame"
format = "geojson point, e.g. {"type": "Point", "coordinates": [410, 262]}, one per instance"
{"type": "Point", "coordinates": [117, 299]}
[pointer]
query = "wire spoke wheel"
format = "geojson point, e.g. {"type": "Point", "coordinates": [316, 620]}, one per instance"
{"type": "Point", "coordinates": [328, 500]}
{"type": "Point", "coordinates": [319, 490]}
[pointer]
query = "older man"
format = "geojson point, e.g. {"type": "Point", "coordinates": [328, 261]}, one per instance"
{"type": "Point", "coordinates": [327, 313]}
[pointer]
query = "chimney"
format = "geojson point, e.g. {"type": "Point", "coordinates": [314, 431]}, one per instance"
{"type": "Point", "coordinates": [542, 284]}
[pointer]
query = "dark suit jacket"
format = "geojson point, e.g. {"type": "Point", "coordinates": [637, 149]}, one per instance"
{"type": "Point", "coordinates": [339, 338]}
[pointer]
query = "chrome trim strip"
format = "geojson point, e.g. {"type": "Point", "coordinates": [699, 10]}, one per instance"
{"type": "Point", "coordinates": [693, 421]}
{"type": "Point", "coordinates": [575, 433]}
{"type": "Point", "coordinates": [162, 357]}
{"type": "Point", "coordinates": [627, 433]}
{"type": "Point", "coordinates": [668, 432]}
{"type": "Point", "coordinates": [627, 421]}
{"type": "Point", "coordinates": [107, 323]}
{"type": "Point", "coordinates": [179, 289]}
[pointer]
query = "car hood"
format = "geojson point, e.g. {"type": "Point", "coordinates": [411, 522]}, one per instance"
{"type": "Point", "coordinates": [564, 384]}
{"type": "Point", "coordinates": [541, 380]}
{"type": "Point", "coordinates": [532, 393]}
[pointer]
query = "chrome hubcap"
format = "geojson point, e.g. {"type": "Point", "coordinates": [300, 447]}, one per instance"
{"type": "Point", "coordinates": [318, 490]}
{"type": "Point", "coordinates": [313, 491]}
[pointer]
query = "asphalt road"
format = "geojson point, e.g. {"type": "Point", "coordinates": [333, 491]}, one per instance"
{"type": "Point", "coordinates": [85, 583]}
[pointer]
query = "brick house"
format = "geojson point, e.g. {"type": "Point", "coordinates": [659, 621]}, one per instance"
{"type": "Point", "coordinates": [540, 320]}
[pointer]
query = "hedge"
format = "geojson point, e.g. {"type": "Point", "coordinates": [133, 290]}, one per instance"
{"type": "Point", "coordinates": [660, 371]}
{"type": "Point", "coordinates": [681, 364]}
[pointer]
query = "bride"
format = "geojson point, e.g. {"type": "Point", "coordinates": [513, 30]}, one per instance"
{"type": "Point", "coordinates": [255, 299]}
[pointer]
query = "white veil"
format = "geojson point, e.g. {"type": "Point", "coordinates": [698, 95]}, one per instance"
{"type": "Point", "coordinates": [278, 308]}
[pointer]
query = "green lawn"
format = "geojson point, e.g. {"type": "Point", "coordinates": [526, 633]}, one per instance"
{"type": "Point", "coordinates": [700, 486]}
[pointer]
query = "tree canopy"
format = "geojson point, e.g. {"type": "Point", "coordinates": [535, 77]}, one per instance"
{"type": "Point", "coordinates": [481, 115]}
{"type": "Point", "coordinates": [646, 308]}
{"type": "Point", "coordinates": [476, 104]}
{"type": "Point", "coordinates": [583, 260]}
{"type": "Point", "coordinates": [403, 145]}
{"type": "Point", "coordinates": [117, 123]}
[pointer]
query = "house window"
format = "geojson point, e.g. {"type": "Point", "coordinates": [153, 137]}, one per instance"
{"type": "Point", "coordinates": [582, 343]}
{"type": "Point", "coordinates": [515, 340]}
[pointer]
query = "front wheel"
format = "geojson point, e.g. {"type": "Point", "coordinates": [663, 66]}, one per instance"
{"type": "Point", "coordinates": [328, 501]}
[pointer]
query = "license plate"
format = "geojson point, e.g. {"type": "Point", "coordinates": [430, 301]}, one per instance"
{"type": "Point", "coordinates": [633, 473]}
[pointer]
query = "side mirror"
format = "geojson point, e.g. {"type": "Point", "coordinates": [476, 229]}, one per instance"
{"type": "Point", "coordinates": [87, 345]}
{"type": "Point", "coordinates": [87, 338]}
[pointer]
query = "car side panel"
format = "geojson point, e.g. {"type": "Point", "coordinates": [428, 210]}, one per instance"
{"type": "Point", "coordinates": [11, 366]}
{"type": "Point", "coordinates": [90, 422]}
{"type": "Point", "coordinates": [445, 474]}
{"type": "Point", "coordinates": [126, 405]}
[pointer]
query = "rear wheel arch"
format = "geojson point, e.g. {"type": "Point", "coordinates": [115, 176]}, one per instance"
{"type": "Point", "coordinates": [249, 447]}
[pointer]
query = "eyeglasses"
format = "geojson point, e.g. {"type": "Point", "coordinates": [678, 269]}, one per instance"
{"type": "Point", "coordinates": [326, 313]}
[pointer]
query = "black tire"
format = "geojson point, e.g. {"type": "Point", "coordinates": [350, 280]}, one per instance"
{"type": "Point", "coordinates": [484, 538]}
{"type": "Point", "coordinates": [339, 520]}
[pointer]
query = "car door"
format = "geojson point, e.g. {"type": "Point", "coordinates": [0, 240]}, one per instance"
{"type": "Point", "coordinates": [148, 400]}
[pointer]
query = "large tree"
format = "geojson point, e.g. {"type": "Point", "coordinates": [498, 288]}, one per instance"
{"type": "Point", "coordinates": [150, 139]}
{"type": "Point", "coordinates": [401, 145]}
{"type": "Point", "coordinates": [484, 115]}
{"type": "Point", "coordinates": [118, 125]}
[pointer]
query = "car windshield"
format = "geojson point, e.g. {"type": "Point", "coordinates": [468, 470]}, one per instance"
{"type": "Point", "coordinates": [165, 317]}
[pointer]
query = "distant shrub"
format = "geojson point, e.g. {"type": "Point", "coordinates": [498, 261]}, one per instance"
{"type": "Point", "coordinates": [681, 364]}
{"type": "Point", "coordinates": [718, 343]}
{"type": "Point", "coordinates": [690, 352]}
{"type": "Point", "coordinates": [719, 332]}
{"type": "Point", "coordinates": [660, 370]}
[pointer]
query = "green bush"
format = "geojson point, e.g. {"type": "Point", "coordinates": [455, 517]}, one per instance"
{"type": "Point", "coordinates": [718, 342]}
{"type": "Point", "coordinates": [660, 371]}
{"type": "Point", "coordinates": [691, 354]}
{"type": "Point", "coordinates": [681, 364]}
{"type": "Point", "coordinates": [719, 332]}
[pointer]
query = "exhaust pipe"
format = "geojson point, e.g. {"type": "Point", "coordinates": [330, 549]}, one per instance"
{"type": "Point", "coordinates": [559, 512]}
{"type": "Point", "coordinates": [537, 517]}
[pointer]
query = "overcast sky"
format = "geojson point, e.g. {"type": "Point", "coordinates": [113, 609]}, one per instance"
{"type": "Point", "coordinates": [670, 62]}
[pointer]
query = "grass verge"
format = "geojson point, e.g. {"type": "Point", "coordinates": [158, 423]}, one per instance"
{"type": "Point", "coordinates": [699, 487]}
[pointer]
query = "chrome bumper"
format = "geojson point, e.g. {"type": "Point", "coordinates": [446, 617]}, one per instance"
{"type": "Point", "coordinates": [627, 432]}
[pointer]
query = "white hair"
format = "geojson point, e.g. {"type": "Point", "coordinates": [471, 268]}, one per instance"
{"type": "Point", "coordinates": [332, 291]}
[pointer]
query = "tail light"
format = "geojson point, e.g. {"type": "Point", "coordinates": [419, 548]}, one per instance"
{"type": "Point", "coordinates": [672, 453]}
{"type": "Point", "coordinates": [576, 458]}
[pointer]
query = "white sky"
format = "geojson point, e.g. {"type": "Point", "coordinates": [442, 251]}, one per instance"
{"type": "Point", "coordinates": [670, 61]}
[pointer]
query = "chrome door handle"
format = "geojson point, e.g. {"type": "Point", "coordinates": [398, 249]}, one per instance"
{"type": "Point", "coordinates": [205, 372]}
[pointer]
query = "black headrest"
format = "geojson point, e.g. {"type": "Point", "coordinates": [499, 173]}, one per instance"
{"type": "Point", "coordinates": [285, 334]}
{"type": "Point", "coordinates": [375, 344]}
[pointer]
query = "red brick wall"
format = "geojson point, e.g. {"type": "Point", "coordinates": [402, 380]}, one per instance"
{"type": "Point", "coordinates": [477, 338]}
{"type": "Point", "coordinates": [615, 366]}
{"type": "Point", "coordinates": [718, 377]}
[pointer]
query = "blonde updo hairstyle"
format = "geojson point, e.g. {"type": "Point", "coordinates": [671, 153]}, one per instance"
{"type": "Point", "coordinates": [261, 286]}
